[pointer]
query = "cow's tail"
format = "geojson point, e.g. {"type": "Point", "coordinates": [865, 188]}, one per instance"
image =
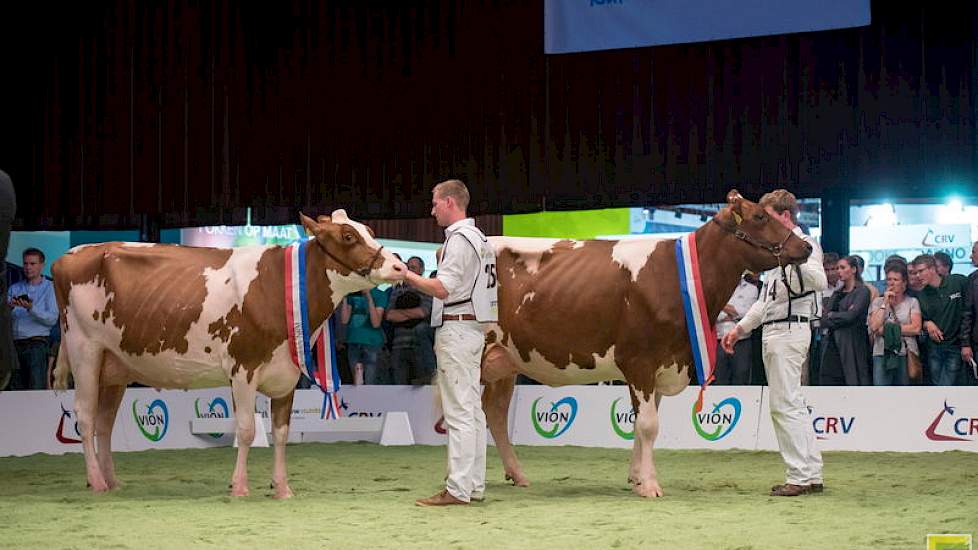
{"type": "Point", "coordinates": [61, 369]}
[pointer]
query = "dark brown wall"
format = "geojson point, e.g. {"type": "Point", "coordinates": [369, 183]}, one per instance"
{"type": "Point", "coordinates": [191, 111]}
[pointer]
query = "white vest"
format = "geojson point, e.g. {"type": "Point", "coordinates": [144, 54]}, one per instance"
{"type": "Point", "coordinates": [484, 288]}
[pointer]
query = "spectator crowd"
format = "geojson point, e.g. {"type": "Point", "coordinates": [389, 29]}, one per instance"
{"type": "Point", "coordinates": [917, 325]}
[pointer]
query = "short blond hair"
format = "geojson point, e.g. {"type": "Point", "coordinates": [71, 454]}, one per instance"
{"type": "Point", "coordinates": [781, 200]}
{"type": "Point", "coordinates": [454, 189]}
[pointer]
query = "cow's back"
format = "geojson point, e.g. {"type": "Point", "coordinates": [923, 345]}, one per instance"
{"type": "Point", "coordinates": [153, 293]}
{"type": "Point", "coordinates": [159, 308]}
{"type": "Point", "coordinates": [557, 307]}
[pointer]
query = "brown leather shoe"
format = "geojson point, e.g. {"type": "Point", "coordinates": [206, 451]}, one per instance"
{"type": "Point", "coordinates": [442, 498]}
{"type": "Point", "coordinates": [814, 487]}
{"type": "Point", "coordinates": [790, 490]}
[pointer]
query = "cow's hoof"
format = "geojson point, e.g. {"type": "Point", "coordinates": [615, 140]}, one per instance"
{"type": "Point", "coordinates": [647, 489]}
{"type": "Point", "coordinates": [519, 480]}
{"type": "Point", "coordinates": [282, 490]}
{"type": "Point", "coordinates": [99, 487]}
{"type": "Point", "coordinates": [239, 492]}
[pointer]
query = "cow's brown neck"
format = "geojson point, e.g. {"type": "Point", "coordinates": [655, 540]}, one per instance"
{"type": "Point", "coordinates": [721, 266]}
{"type": "Point", "coordinates": [318, 290]}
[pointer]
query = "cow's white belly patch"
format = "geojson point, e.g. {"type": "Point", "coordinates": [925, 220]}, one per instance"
{"type": "Point", "coordinates": [671, 379]}
{"type": "Point", "coordinates": [542, 370]}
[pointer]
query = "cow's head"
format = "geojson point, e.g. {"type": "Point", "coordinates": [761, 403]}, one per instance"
{"type": "Point", "coordinates": [356, 260]}
{"type": "Point", "coordinates": [765, 242]}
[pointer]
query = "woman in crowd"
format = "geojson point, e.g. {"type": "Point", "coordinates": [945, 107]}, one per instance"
{"type": "Point", "coordinates": [845, 353]}
{"type": "Point", "coordinates": [894, 322]}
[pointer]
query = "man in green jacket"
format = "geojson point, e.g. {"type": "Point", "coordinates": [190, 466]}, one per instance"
{"type": "Point", "coordinates": [942, 303]}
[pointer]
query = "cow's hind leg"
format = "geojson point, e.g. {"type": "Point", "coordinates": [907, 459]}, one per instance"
{"type": "Point", "coordinates": [86, 365]}
{"type": "Point", "coordinates": [281, 414]}
{"type": "Point", "coordinates": [109, 398]}
{"type": "Point", "coordinates": [499, 376]}
{"type": "Point", "coordinates": [112, 387]}
{"type": "Point", "coordinates": [243, 390]}
{"type": "Point", "coordinates": [646, 430]}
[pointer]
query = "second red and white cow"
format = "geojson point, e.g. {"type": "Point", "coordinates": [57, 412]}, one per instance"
{"type": "Point", "coordinates": [579, 312]}
{"type": "Point", "coordinates": [171, 316]}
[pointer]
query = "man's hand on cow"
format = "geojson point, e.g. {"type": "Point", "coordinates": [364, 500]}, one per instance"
{"type": "Point", "coordinates": [730, 339]}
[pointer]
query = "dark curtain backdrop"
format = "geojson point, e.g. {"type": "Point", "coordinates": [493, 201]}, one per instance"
{"type": "Point", "coordinates": [188, 112]}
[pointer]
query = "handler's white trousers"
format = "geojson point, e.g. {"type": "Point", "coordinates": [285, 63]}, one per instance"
{"type": "Point", "coordinates": [785, 348]}
{"type": "Point", "coordinates": [458, 348]}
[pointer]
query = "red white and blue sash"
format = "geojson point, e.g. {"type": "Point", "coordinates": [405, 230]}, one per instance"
{"type": "Point", "coordinates": [323, 371]}
{"type": "Point", "coordinates": [702, 333]}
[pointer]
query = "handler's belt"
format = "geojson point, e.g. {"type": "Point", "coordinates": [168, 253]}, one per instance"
{"type": "Point", "coordinates": [790, 319]}
{"type": "Point", "coordinates": [462, 317]}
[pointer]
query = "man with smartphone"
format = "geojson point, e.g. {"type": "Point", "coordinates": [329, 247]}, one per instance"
{"type": "Point", "coordinates": [34, 311]}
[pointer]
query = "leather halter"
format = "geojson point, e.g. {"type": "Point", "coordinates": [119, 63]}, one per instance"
{"type": "Point", "coordinates": [364, 271]}
{"type": "Point", "coordinates": [776, 250]}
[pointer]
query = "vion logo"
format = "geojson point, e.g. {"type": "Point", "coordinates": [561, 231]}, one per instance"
{"type": "Point", "coordinates": [622, 418]}
{"type": "Point", "coordinates": [154, 422]}
{"type": "Point", "coordinates": [935, 240]}
{"type": "Point", "coordinates": [556, 420]}
{"type": "Point", "coordinates": [961, 426]}
{"type": "Point", "coordinates": [60, 434]}
{"type": "Point", "coordinates": [719, 421]}
{"type": "Point", "coordinates": [217, 408]}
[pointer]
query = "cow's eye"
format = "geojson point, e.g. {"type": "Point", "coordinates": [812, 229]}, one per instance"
{"type": "Point", "coordinates": [348, 238]}
{"type": "Point", "coordinates": [759, 217]}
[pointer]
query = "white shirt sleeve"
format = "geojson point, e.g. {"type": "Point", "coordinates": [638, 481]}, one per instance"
{"type": "Point", "coordinates": [451, 270]}
{"type": "Point", "coordinates": [752, 319]}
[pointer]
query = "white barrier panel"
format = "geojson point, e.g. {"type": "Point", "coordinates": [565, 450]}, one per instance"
{"type": "Point", "coordinates": [602, 416]}
{"type": "Point", "coordinates": [858, 419]}
{"type": "Point", "coordinates": [393, 428]}
{"type": "Point", "coordinates": [374, 401]}
{"type": "Point", "coordinates": [887, 419]}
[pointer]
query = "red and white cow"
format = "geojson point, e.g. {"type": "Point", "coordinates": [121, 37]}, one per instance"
{"type": "Point", "coordinates": [579, 312]}
{"type": "Point", "coordinates": [171, 316]}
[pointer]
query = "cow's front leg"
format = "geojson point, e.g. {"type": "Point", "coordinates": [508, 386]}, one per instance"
{"type": "Point", "coordinates": [281, 415]}
{"type": "Point", "coordinates": [243, 393]}
{"type": "Point", "coordinates": [646, 483]}
{"type": "Point", "coordinates": [633, 469]}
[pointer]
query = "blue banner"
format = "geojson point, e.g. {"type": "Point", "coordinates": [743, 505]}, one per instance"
{"type": "Point", "coordinates": [589, 25]}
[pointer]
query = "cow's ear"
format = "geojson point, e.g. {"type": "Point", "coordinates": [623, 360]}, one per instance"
{"type": "Point", "coordinates": [310, 225]}
{"type": "Point", "coordinates": [322, 218]}
{"type": "Point", "coordinates": [735, 201]}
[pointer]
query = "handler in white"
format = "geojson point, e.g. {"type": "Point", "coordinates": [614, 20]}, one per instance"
{"type": "Point", "coordinates": [464, 296]}
{"type": "Point", "coordinates": [788, 303]}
